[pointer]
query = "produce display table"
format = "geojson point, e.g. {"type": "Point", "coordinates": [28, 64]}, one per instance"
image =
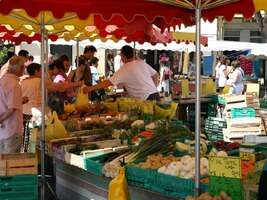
{"type": "Point", "coordinates": [75, 183]}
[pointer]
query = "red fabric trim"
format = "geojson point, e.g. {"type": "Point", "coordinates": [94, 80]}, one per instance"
{"type": "Point", "coordinates": [127, 10]}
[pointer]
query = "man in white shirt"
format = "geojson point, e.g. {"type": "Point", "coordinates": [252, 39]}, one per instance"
{"type": "Point", "coordinates": [137, 77]}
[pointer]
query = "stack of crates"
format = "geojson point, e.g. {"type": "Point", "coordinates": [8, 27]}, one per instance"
{"type": "Point", "coordinates": [18, 176]}
{"type": "Point", "coordinates": [214, 128]}
{"type": "Point", "coordinates": [20, 187]}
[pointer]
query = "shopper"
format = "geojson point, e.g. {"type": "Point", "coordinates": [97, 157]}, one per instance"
{"type": "Point", "coordinates": [56, 99]}
{"type": "Point", "coordinates": [221, 74]}
{"type": "Point", "coordinates": [89, 52]}
{"type": "Point", "coordinates": [95, 95]}
{"type": "Point", "coordinates": [66, 62]}
{"type": "Point", "coordinates": [109, 65]}
{"type": "Point", "coordinates": [11, 100]}
{"type": "Point", "coordinates": [139, 79]}
{"type": "Point", "coordinates": [78, 74]}
{"type": "Point", "coordinates": [23, 53]}
{"type": "Point", "coordinates": [61, 86]}
{"type": "Point", "coordinates": [236, 79]}
{"type": "Point", "coordinates": [31, 88]}
{"type": "Point", "coordinates": [94, 72]}
{"type": "Point", "coordinates": [165, 74]}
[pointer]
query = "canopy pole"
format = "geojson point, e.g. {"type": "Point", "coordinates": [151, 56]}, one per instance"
{"type": "Point", "coordinates": [42, 139]}
{"type": "Point", "coordinates": [77, 52]}
{"type": "Point", "coordinates": [197, 104]}
{"type": "Point", "coordinates": [134, 47]}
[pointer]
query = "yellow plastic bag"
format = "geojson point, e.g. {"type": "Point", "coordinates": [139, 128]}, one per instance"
{"type": "Point", "coordinates": [68, 107]}
{"type": "Point", "coordinates": [226, 89]}
{"type": "Point", "coordinates": [54, 128]}
{"type": "Point", "coordinates": [81, 100]}
{"type": "Point", "coordinates": [111, 106]}
{"type": "Point", "coordinates": [118, 188]}
{"type": "Point", "coordinates": [128, 104]}
{"type": "Point", "coordinates": [170, 113]}
{"type": "Point", "coordinates": [147, 107]}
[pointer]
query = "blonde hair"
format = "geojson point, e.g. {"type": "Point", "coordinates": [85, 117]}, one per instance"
{"type": "Point", "coordinates": [16, 63]}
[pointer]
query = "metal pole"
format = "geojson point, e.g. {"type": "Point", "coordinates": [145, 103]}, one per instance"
{"type": "Point", "coordinates": [198, 105]}
{"type": "Point", "coordinates": [134, 46]}
{"type": "Point", "coordinates": [42, 138]}
{"type": "Point", "coordinates": [77, 52]}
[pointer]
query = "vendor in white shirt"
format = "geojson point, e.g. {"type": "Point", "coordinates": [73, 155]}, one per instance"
{"type": "Point", "coordinates": [236, 79]}
{"type": "Point", "coordinates": [137, 77]}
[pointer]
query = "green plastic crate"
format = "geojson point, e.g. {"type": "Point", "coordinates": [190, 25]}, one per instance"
{"type": "Point", "coordinates": [221, 100]}
{"type": "Point", "coordinates": [140, 177]}
{"type": "Point", "coordinates": [19, 192]}
{"type": "Point", "coordinates": [20, 180]}
{"type": "Point", "coordinates": [243, 112]}
{"type": "Point", "coordinates": [263, 103]}
{"type": "Point", "coordinates": [20, 187]}
{"type": "Point", "coordinates": [95, 164]}
{"type": "Point", "coordinates": [174, 186]}
{"type": "Point", "coordinates": [214, 128]}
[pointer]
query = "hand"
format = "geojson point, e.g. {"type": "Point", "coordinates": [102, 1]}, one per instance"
{"type": "Point", "coordinates": [87, 90]}
{"type": "Point", "coordinates": [25, 100]}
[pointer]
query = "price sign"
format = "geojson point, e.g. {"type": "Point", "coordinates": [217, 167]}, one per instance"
{"type": "Point", "coordinates": [225, 167]}
{"type": "Point", "coordinates": [247, 156]}
{"type": "Point", "coordinates": [231, 186]}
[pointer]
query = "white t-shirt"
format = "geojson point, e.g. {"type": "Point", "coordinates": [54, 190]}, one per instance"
{"type": "Point", "coordinates": [217, 67]}
{"type": "Point", "coordinates": [136, 77]}
{"type": "Point", "coordinates": [222, 78]}
{"type": "Point", "coordinates": [31, 88]}
{"type": "Point", "coordinates": [95, 75]}
{"type": "Point", "coordinates": [236, 80]}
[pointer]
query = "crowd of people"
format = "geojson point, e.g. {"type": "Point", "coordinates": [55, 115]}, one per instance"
{"type": "Point", "coordinates": [20, 83]}
{"type": "Point", "coordinates": [229, 76]}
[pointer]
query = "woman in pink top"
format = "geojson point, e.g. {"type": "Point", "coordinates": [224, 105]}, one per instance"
{"type": "Point", "coordinates": [31, 88]}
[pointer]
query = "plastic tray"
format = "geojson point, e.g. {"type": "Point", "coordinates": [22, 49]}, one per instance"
{"type": "Point", "coordinates": [243, 112]}
{"type": "Point", "coordinates": [174, 186]}
{"type": "Point", "coordinates": [94, 165]}
{"type": "Point", "coordinates": [140, 177]}
{"type": "Point", "coordinates": [20, 180]}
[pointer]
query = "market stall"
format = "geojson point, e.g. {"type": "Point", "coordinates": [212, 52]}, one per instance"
{"type": "Point", "coordinates": [165, 176]}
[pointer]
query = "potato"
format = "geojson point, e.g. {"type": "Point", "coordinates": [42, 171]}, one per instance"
{"type": "Point", "coordinates": [224, 196]}
{"type": "Point", "coordinates": [190, 198]}
{"type": "Point", "coordinates": [217, 198]}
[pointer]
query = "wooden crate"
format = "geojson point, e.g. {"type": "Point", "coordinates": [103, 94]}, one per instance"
{"type": "Point", "coordinates": [18, 164]}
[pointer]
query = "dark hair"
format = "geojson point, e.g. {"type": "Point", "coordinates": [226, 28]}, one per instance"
{"type": "Point", "coordinates": [94, 61]}
{"type": "Point", "coordinates": [31, 58]}
{"type": "Point", "coordinates": [224, 61]}
{"type": "Point", "coordinates": [51, 66]}
{"type": "Point", "coordinates": [110, 56]}
{"type": "Point", "coordinates": [23, 53]}
{"type": "Point", "coordinates": [10, 54]}
{"type": "Point", "coordinates": [235, 64]}
{"type": "Point", "coordinates": [59, 65]}
{"type": "Point", "coordinates": [64, 58]}
{"type": "Point", "coordinates": [127, 51]}
{"type": "Point", "coordinates": [33, 68]}
{"type": "Point", "coordinates": [82, 60]}
{"type": "Point", "coordinates": [90, 48]}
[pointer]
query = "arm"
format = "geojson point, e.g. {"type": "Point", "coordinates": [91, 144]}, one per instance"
{"type": "Point", "coordinates": [155, 79]}
{"type": "Point", "coordinates": [61, 87]}
{"type": "Point", "coordinates": [7, 114]}
{"type": "Point", "coordinates": [102, 85]}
